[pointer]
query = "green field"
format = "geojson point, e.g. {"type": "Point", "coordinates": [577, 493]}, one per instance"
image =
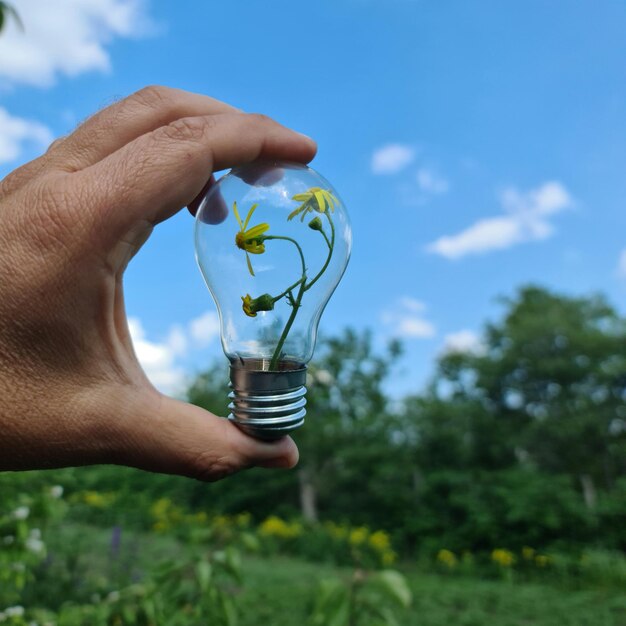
{"type": "Point", "coordinates": [280, 591]}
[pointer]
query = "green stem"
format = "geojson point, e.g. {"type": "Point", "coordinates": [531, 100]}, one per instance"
{"type": "Point", "coordinates": [284, 293]}
{"type": "Point", "coordinates": [295, 243]}
{"type": "Point", "coordinates": [326, 238]}
{"type": "Point", "coordinates": [331, 247]}
{"type": "Point", "coordinates": [283, 337]}
{"type": "Point", "coordinates": [303, 285]}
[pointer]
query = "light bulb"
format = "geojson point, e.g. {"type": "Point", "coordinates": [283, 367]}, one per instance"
{"type": "Point", "coordinates": [272, 242]}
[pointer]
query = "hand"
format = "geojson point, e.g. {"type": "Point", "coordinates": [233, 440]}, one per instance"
{"type": "Point", "coordinates": [71, 389]}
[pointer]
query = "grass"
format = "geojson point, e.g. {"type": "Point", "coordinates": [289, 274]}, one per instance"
{"type": "Point", "coordinates": [279, 591]}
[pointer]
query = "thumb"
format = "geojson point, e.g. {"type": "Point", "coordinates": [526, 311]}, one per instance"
{"type": "Point", "coordinates": [174, 437]}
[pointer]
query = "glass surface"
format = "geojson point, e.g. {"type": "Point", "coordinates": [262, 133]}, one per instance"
{"type": "Point", "coordinates": [247, 228]}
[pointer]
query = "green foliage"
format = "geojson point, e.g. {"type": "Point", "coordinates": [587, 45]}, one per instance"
{"type": "Point", "coordinates": [510, 466]}
{"type": "Point", "coordinates": [22, 547]}
{"type": "Point", "coordinates": [365, 599]}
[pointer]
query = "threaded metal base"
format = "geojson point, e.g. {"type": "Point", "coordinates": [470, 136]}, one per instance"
{"type": "Point", "coordinates": [267, 405]}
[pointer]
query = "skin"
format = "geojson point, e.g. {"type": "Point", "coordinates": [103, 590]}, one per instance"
{"type": "Point", "coordinates": [71, 389]}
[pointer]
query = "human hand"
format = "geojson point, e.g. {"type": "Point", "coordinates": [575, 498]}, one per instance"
{"type": "Point", "coordinates": [71, 389]}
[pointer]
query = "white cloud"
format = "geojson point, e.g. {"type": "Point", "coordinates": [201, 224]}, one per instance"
{"type": "Point", "coordinates": [392, 158]}
{"type": "Point", "coordinates": [205, 328]}
{"type": "Point", "coordinates": [464, 341]}
{"type": "Point", "coordinates": [406, 320]}
{"type": "Point", "coordinates": [621, 264]}
{"type": "Point", "coordinates": [163, 361]}
{"type": "Point", "coordinates": [66, 37]}
{"type": "Point", "coordinates": [526, 219]}
{"type": "Point", "coordinates": [430, 182]}
{"type": "Point", "coordinates": [157, 359]}
{"type": "Point", "coordinates": [16, 133]}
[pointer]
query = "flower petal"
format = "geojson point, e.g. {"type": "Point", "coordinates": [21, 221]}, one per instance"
{"type": "Point", "coordinates": [295, 212]}
{"type": "Point", "coordinates": [256, 231]}
{"type": "Point", "coordinates": [255, 248]}
{"type": "Point", "coordinates": [301, 197]}
{"type": "Point", "coordinates": [321, 201]}
{"type": "Point", "coordinates": [250, 212]}
{"type": "Point", "coordinates": [236, 212]}
{"type": "Point", "coordinates": [249, 265]}
{"type": "Point", "coordinates": [332, 201]}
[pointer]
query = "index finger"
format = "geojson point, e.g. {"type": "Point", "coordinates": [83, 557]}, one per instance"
{"type": "Point", "coordinates": [125, 120]}
{"type": "Point", "coordinates": [154, 176]}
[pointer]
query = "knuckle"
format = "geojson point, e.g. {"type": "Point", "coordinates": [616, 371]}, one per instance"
{"type": "Point", "coordinates": [22, 176]}
{"type": "Point", "coordinates": [54, 145]}
{"type": "Point", "coordinates": [260, 118]}
{"type": "Point", "coordinates": [210, 468]}
{"type": "Point", "coordinates": [153, 95]}
{"type": "Point", "coordinates": [192, 129]}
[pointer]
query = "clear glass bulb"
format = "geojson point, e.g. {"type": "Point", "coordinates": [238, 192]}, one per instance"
{"type": "Point", "coordinates": [272, 242]}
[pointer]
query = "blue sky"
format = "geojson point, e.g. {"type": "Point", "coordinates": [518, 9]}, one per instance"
{"type": "Point", "coordinates": [478, 145]}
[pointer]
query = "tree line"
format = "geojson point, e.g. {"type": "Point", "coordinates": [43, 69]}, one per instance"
{"type": "Point", "coordinates": [518, 442]}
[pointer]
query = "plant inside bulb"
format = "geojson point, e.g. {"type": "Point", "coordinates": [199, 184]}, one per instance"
{"type": "Point", "coordinates": [272, 242]}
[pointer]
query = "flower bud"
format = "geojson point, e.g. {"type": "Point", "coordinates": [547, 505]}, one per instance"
{"type": "Point", "coordinates": [251, 305]}
{"type": "Point", "coordinates": [315, 224]}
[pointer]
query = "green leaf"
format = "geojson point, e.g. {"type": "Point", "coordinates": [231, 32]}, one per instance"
{"type": "Point", "coordinates": [332, 606]}
{"type": "Point", "coordinates": [250, 542]}
{"type": "Point", "coordinates": [388, 617]}
{"type": "Point", "coordinates": [230, 611]}
{"type": "Point", "coordinates": [204, 572]}
{"type": "Point", "coordinates": [394, 584]}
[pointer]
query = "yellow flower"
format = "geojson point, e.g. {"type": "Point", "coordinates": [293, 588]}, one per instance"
{"type": "Point", "coordinates": [447, 558]}
{"type": "Point", "coordinates": [250, 240]}
{"type": "Point", "coordinates": [542, 560]}
{"type": "Point", "coordinates": [528, 553]}
{"type": "Point", "coordinates": [247, 305]}
{"type": "Point", "coordinates": [502, 557]}
{"type": "Point", "coordinates": [275, 527]}
{"type": "Point", "coordinates": [251, 306]}
{"type": "Point", "coordinates": [380, 541]}
{"type": "Point", "coordinates": [358, 535]}
{"type": "Point", "coordinates": [315, 199]}
{"type": "Point", "coordinates": [97, 499]}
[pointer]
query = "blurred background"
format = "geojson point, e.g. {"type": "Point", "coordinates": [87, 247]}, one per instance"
{"type": "Point", "coordinates": [464, 456]}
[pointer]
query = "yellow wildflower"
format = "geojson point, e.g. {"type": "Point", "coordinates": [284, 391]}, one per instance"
{"type": "Point", "coordinates": [502, 557]}
{"type": "Point", "coordinates": [447, 558]}
{"type": "Point", "coordinates": [250, 240]}
{"type": "Point", "coordinates": [314, 199]}
{"type": "Point", "coordinates": [358, 535]}
{"type": "Point", "coordinates": [380, 541]}
{"type": "Point", "coordinates": [542, 560]}
{"type": "Point", "coordinates": [247, 305]}
{"type": "Point", "coordinates": [528, 553]}
{"type": "Point", "coordinates": [275, 527]}
{"type": "Point", "coordinates": [97, 499]}
{"type": "Point", "coordinates": [251, 306]}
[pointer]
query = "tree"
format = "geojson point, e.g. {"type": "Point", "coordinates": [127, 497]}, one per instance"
{"type": "Point", "coordinates": [547, 389]}
{"type": "Point", "coordinates": [348, 424]}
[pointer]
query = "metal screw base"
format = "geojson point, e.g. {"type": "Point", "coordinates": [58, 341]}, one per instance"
{"type": "Point", "coordinates": [267, 405]}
